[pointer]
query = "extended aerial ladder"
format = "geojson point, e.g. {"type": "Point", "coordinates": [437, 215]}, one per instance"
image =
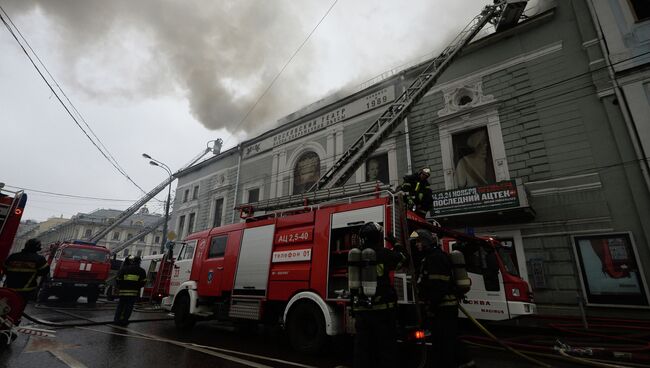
{"type": "Point", "coordinates": [215, 148]}
{"type": "Point", "coordinates": [504, 14]}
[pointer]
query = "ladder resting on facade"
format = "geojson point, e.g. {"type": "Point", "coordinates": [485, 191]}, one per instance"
{"type": "Point", "coordinates": [505, 12]}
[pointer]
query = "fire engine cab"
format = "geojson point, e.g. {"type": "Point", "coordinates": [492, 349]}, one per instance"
{"type": "Point", "coordinates": [291, 268]}
{"type": "Point", "coordinates": [77, 269]}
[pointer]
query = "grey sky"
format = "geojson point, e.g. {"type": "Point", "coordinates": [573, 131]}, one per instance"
{"type": "Point", "coordinates": [164, 77]}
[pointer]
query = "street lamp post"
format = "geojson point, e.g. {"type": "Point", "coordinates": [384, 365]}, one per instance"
{"type": "Point", "coordinates": [155, 162]}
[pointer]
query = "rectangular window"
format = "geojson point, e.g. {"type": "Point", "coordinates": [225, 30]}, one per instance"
{"type": "Point", "coordinates": [377, 169]}
{"type": "Point", "coordinates": [181, 226]}
{"type": "Point", "coordinates": [116, 235]}
{"type": "Point", "coordinates": [139, 253]}
{"type": "Point", "coordinates": [141, 240]}
{"type": "Point", "coordinates": [186, 195]}
{"type": "Point", "coordinates": [125, 253]}
{"type": "Point", "coordinates": [129, 236]}
{"type": "Point", "coordinates": [609, 270]}
{"type": "Point", "coordinates": [218, 212]}
{"type": "Point", "coordinates": [88, 233]}
{"type": "Point", "coordinates": [195, 192]}
{"type": "Point", "coordinates": [640, 9]}
{"type": "Point", "coordinates": [157, 240]}
{"type": "Point", "coordinates": [473, 158]}
{"type": "Point", "coordinates": [253, 195]}
{"type": "Point", "coordinates": [218, 246]}
{"type": "Point", "coordinates": [190, 223]}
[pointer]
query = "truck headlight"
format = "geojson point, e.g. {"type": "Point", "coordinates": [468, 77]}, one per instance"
{"type": "Point", "coordinates": [515, 292]}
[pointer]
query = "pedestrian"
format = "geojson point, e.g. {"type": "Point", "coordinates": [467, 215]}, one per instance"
{"type": "Point", "coordinates": [419, 196]}
{"type": "Point", "coordinates": [26, 270]}
{"type": "Point", "coordinates": [376, 316]}
{"type": "Point", "coordinates": [436, 289]}
{"type": "Point", "coordinates": [130, 279]}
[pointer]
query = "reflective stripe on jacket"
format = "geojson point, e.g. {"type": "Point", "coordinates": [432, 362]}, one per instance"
{"type": "Point", "coordinates": [22, 270]}
{"type": "Point", "coordinates": [130, 279]}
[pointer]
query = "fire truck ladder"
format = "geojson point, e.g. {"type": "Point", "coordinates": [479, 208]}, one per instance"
{"type": "Point", "coordinates": [310, 198]}
{"type": "Point", "coordinates": [215, 148]}
{"type": "Point", "coordinates": [163, 276]}
{"type": "Point", "coordinates": [146, 230]}
{"type": "Point", "coordinates": [7, 209]}
{"type": "Point", "coordinates": [507, 14]}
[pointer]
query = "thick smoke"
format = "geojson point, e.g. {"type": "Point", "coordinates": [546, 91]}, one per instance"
{"type": "Point", "coordinates": [222, 55]}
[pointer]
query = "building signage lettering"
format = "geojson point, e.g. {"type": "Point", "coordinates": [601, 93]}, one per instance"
{"type": "Point", "coordinates": [362, 105]}
{"type": "Point", "coordinates": [484, 198]}
{"type": "Point", "coordinates": [292, 255]}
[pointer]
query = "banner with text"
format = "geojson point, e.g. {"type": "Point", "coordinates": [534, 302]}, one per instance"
{"type": "Point", "coordinates": [364, 104]}
{"type": "Point", "coordinates": [476, 199]}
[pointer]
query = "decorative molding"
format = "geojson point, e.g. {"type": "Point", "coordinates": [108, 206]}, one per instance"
{"type": "Point", "coordinates": [465, 95]}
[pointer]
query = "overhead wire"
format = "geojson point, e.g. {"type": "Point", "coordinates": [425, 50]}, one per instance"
{"type": "Point", "coordinates": [69, 109]}
{"type": "Point", "coordinates": [277, 75]}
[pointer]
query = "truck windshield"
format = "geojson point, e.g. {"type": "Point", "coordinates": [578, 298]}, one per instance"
{"type": "Point", "coordinates": [84, 254]}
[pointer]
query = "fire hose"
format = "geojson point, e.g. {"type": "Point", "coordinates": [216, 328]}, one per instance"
{"type": "Point", "coordinates": [563, 349]}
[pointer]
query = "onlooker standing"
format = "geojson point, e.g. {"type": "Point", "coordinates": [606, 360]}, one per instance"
{"type": "Point", "coordinates": [130, 279]}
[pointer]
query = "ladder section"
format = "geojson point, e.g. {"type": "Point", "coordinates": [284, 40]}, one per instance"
{"type": "Point", "coordinates": [319, 196]}
{"type": "Point", "coordinates": [137, 236]}
{"type": "Point", "coordinates": [350, 161]}
{"type": "Point", "coordinates": [215, 148]}
{"type": "Point", "coordinates": [163, 276]}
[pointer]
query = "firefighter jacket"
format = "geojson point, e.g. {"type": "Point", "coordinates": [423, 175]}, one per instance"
{"type": "Point", "coordinates": [436, 282]}
{"type": "Point", "coordinates": [419, 192]}
{"type": "Point", "coordinates": [23, 269]}
{"type": "Point", "coordinates": [130, 279]}
{"type": "Point", "coordinates": [385, 297]}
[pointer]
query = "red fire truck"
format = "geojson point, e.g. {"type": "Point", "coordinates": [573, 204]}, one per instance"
{"type": "Point", "coordinates": [291, 267]}
{"type": "Point", "coordinates": [12, 205]}
{"type": "Point", "coordinates": [77, 269]}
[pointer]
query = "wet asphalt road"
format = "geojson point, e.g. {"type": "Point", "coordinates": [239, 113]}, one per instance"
{"type": "Point", "coordinates": [158, 344]}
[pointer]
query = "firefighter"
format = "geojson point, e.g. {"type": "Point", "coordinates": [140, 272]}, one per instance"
{"type": "Point", "coordinates": [376, 315]}
{"type": "Point", "coordinates": [24, 268]}
{"type": "Point", "coordinates": [436, 289]}
{"type": "Point", "coordinates": [419, 197]}
{"type": "Point", "coordinates": [130, 279]}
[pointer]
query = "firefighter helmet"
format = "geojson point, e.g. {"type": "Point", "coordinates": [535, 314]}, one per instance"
{"type": "Point", "coordinates": [128, 261]}
{"type": "Point", "coordinates": [136, 260]}
{"type": "Point", "coordinates": [33, 245]}
{"type": "Point", "coordinates": [426, 237]}
{"type": "Point", "coordinates": [371, 235]}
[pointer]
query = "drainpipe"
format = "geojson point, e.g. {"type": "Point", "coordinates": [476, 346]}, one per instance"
{"type": "Point", "coordinates": [409, 168]}
{"type": "Point", "coordinates": [634, 134]}
{"type": "Point", "coordinates": [232, 220]}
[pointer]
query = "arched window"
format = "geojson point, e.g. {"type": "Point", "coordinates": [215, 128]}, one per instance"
{"type": "Point", "coordinates": [306, 172]}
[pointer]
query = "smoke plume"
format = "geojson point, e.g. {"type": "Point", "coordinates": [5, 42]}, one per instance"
{"type": "Point", "coordinates": [220, 55]}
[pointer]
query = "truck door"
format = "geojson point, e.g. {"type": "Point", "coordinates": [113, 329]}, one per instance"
{"type": "Point", "coordinates": [344, 236]}
{"type": "Point", "coordinates": [487, 298]}
{"type": "Point", "coordinates": [182, 266]}
{"type": "Point", "coordinates": [254, 261]}
{"type": "Point", "coordinates": [211, 275]}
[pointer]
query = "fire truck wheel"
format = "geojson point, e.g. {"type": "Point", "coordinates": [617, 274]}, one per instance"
{"type": "Point", "coordinates": [109, 294]}
{"type": "Point", "coordinates": [182, 318]}
{"type": "Point", "coordinates": [43, 295]}
{"type": "Point", "coordinates": [306, 328]}
{"type": "Point", "coordinates": [93, 296]}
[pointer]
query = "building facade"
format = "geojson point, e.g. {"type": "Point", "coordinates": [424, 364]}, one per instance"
{"type": "Point", "coordinates": [524, 142]}
{"type": "Point", "coordinates": [83, 225]}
